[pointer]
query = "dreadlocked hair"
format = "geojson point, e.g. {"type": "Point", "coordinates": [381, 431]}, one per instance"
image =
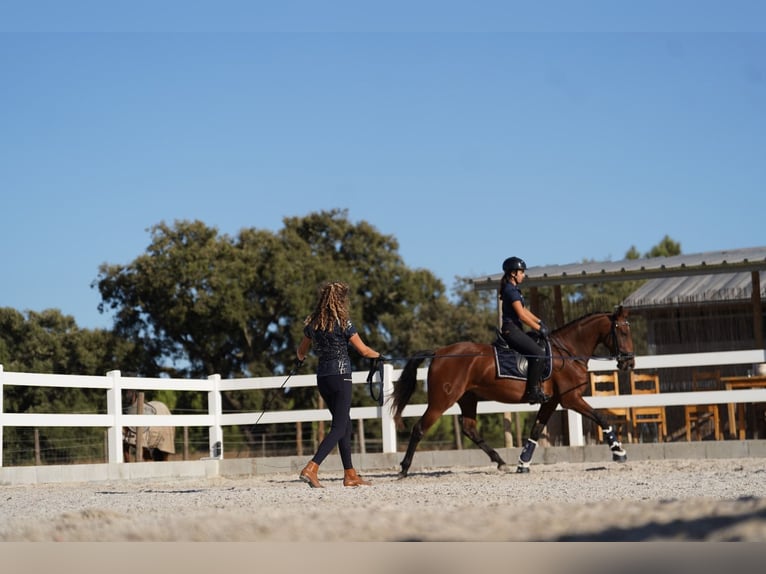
{"type": "Point", "coordinates": [331, 308]}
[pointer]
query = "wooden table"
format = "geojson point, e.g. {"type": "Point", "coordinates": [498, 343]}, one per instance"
{"type": "Point", "coordinates": [737, 422]}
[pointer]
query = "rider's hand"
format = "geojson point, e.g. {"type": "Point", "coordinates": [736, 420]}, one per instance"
{"type": "Point", "coordinates": [543, 330]}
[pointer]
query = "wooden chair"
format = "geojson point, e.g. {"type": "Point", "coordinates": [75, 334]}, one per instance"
{"type": "Point", "coordinates": [698, 417]}
{"type": "Point", "coordinates": [645, 383]}
{"type": "Point", "coordinates": [608, 384]}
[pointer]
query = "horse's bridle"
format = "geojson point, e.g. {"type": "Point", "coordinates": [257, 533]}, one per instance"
{"type": "Point", "coordinates": [620, 355]}
{"type": "Point", "coordinates": [616, 352]}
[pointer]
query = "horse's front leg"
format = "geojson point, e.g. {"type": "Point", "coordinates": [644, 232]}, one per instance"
{"type": "Point", "coordinates": [543, 416]}
{"type": "Point", "coordinates": [578, 404]}
{"type": "Point", "coordinates": [618, 453]}
{"type": "Point", "coordinates": [470, 429]}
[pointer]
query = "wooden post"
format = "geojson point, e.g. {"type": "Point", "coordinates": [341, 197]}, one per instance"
{"type": "Point", "coordinates": [507, 430]}
{"type": "Point", "coordinates": [534, 300]}
{"type": "Point", "coordinates": [38, 459]}
{"type": "Point", "coordinates": [186, 443]}
{"type": "Point", "coordinates": [299, 438]}
{"type": "Point", "coordinates": [320, 424]}
{"type": "Point", "coordinates": [458, 434]}
{"type": "Point", "coordinates": [140, 430]}
{"type": "Point", "coordinates": [360, 436]}
{"type": "Point", "coordinates": [558, 307]}
{"type": "Point", "coordinates": [757, 309]}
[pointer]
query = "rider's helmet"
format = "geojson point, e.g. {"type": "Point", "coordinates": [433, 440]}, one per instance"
{"type": "Point", "coordinates": [513, 264]}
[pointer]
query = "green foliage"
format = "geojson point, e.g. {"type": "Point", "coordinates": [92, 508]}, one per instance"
{"type": "Point", "coordinates": [49, 342]}
{"type": "Point", "coordinates": [199, 302]}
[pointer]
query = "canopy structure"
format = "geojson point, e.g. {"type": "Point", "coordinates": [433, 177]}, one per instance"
{"type": "Point", "coordinates": [750, 260]}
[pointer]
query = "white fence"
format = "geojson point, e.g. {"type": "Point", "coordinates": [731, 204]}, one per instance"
{"type": "Point", "coordinates": [114, 419]}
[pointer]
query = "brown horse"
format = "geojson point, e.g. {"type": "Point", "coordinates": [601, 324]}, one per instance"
{"type": "Point", "coordinates": [465, 373]}
{"type": "Point", "coordinates": [158, 442]}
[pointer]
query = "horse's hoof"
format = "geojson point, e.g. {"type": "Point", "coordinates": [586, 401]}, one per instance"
{"type": "Point", "coordinates": [620, 457]}
{"type": "Point", "coordinates": [522, 469]}
{"type": "Point", "coordinates": [401, 475]}
{"type": "Point", "coordinates": [503, 468]}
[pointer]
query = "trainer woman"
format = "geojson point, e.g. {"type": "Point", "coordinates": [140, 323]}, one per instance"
{"type": "Point", "coordinates": [328, 328]}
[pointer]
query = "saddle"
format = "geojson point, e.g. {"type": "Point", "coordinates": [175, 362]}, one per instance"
{"type": "Point", "coordinates": [510, 364]}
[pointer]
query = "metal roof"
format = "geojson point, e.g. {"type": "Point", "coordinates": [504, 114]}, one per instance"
{"type": "Point", "coordinates": [672, 291]}
{"type": "Point", "coordinates": [732, 261]}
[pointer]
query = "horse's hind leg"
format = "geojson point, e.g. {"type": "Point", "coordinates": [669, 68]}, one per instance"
{"type": "Point", "coordinates": [415, 436]}
{"type": "Point", "coordinates": [468, 403]}
{"type": "Point", "coordinates": [470, 429]}
{"type": "Point", "coordinates": [418, 432]}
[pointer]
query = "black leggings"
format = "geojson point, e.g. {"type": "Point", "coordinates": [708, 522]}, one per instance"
{"type": "Point", "coordinates": [524, 344]}
{"type": "Point", "coordinates": [336, 392]}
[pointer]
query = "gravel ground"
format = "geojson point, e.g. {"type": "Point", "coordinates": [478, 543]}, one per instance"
{"type": "Point", "coordinates": [661, 500]}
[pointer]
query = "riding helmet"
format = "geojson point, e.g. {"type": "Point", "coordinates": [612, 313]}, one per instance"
{"type": "Point", "coordinates": [513, 263]}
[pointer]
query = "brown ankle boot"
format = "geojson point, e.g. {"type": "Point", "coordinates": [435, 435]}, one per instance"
{"type": "Point", "coordinates": [309, 475]}
{"type": "Point", "coordinates": [351, 478]}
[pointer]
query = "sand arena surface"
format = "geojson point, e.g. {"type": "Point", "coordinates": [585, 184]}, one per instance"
{"type": "Point", "coordinates": [649, 500]}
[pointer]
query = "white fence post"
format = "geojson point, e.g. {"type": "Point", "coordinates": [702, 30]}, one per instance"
{"type": "Point", "coordinates": [215, 409]}
{"type": "Point", "coordinates": [388, 425]}
{"type": "Point", "coordinates": [574, 423]}
{"type": "Point", "coordinates": [114, 409]}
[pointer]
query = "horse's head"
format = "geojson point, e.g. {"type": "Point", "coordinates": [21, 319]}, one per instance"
{"type": "Point", "coordinates": [129, 397]}
{"type": "Point", "coordinates": [620, 340]}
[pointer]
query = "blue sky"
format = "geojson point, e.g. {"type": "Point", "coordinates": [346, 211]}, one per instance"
{"type": "Point", "coordinates": [467, 135]}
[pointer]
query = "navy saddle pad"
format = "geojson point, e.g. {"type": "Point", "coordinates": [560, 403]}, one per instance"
{"type": "Point", "coordinates": [510, 364]}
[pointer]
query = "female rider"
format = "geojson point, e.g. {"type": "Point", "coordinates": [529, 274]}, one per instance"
{"type": "Point", "coordinates": [515, 316]}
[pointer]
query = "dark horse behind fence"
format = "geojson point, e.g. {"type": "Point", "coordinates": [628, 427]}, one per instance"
{"type": "Point", "coordinates": [465, 373]}
{"type": "Point", "coordinates": [158, 442]}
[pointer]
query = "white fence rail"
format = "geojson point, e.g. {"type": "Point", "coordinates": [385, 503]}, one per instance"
{"type": "Point", "coordinates": [114, 419]}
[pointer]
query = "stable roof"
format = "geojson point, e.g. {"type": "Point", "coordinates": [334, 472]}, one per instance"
{"type": "Point", "coordinates": [740, 261]}
{"type": "Point", "coordinates": [694, 290]}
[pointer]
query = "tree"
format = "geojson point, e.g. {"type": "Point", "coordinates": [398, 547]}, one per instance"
{"type": "Point", "coordinates": [665, 248]}
{"type": "Point", "coordinates": [49, 342]}
{"type": "Point", "coordinates": [198, 302]}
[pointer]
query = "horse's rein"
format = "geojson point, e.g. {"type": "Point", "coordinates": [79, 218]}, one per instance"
{"type": "Point", "coordinates": [618, 354]}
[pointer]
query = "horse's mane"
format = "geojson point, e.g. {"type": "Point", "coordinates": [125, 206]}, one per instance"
{"type": "Point", "coordinates": [579, 319]}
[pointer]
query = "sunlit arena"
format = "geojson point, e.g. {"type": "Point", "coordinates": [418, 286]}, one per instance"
{"type": "Point", "coordinates": [647, 500]}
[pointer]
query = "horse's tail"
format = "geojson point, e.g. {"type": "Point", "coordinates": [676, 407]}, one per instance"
{"type": "Point", "coordinates": [405, 386]}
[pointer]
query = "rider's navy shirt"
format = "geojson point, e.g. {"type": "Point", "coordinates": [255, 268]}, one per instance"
{"type": "Point", "coordinates": [509, 294]}
{"type": "Point", "coordinates": [332, 348]}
